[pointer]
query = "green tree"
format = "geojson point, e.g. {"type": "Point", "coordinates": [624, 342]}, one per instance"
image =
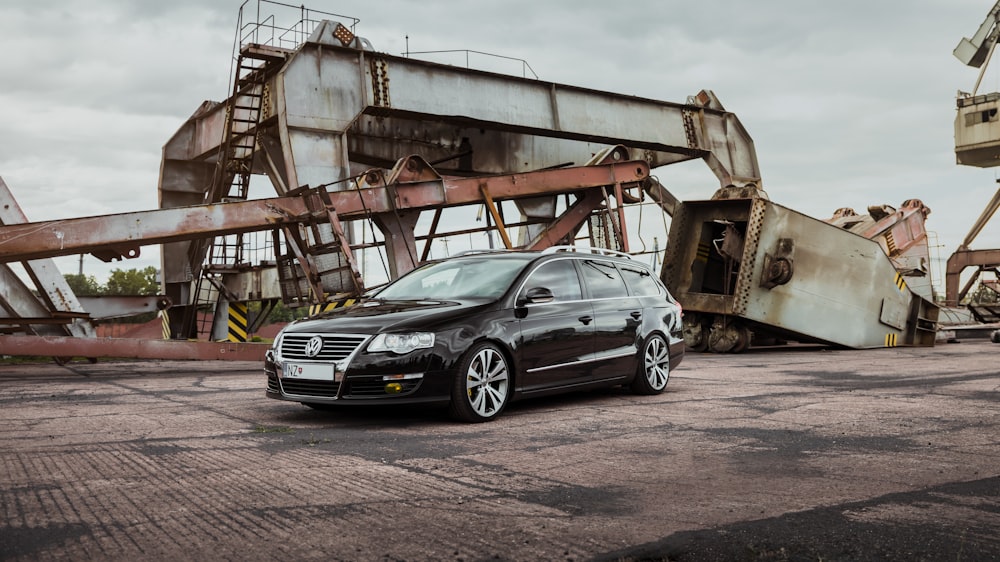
{"type": "Point", "coordinates": [132, 282]}
{"type": "Point", "coordinates": [83, 285]}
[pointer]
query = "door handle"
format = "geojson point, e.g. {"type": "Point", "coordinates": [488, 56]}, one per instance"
{"type": "Point", "coordinates": [586, 319]}
{"type": "Point", "coordinates": [637, 315]}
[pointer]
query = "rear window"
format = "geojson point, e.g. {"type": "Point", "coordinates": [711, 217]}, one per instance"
{"type": "Point", "coordinates": [640, 282]}
{"type": "Point", "coordinates": [603, 280]}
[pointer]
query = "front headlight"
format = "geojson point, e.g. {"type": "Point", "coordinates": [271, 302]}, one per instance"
{"type": "Point", "coordinates": [276, 344]}
{"type": "Point", "coordinates": [401, 343]}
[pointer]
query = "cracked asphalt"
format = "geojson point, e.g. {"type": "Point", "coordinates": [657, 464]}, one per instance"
{"type": "Point", "coordinates": [794, 453]}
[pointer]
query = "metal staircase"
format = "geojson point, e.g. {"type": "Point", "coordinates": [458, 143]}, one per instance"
{"type": "Point", "coordinates": [244, 114]}
{"type": "Point", "coordinates": [315, 263]}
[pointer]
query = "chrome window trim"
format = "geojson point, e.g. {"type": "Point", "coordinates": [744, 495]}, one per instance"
{"type": "Point", "coordinates": [535, 268]}
{"type": "Point", "coordinates": [591, 257]}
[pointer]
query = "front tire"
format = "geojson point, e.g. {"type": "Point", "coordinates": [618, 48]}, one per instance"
{"type": "Point", "coordinates": [482, 388]}
{"type": "Point", "coordinates": [653, 372]}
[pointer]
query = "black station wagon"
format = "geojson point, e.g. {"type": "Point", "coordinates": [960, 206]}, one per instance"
{"type": "Point", "coordinates": [478, 330]}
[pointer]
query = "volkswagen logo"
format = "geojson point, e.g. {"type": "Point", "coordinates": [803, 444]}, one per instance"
{"type": "Point", "coordinates": [314, 346]}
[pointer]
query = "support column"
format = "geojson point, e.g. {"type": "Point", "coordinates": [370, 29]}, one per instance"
{"type": "Point", "coordinates": [400, 244]}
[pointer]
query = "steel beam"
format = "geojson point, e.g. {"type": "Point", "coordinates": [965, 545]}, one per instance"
{"type": "Point", "coordinates": [958, 262]}
{"type": "Point", "coordinates": [54, 293]}
{"type": "Point", "coordinates": [569, 222]}
{"type": "Point", "coordinates": [124, 233]}
{"type": "Point", "coordinates": [326, 115]}
{"type": "Point", "coordinates": [413, 91]}
{"type": "Point", "coordinates": [109, 306]}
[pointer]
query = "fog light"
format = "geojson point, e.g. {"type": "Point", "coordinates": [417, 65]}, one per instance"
{"type": "Point", "coordinates": [393, 388]}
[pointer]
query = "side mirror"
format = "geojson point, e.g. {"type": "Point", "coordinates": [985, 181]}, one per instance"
{"type": "Point", "coordinates": [537, 295]}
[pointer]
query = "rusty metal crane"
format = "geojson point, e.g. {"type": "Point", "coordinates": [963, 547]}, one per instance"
{"type": "Point", "coordinates": [367, 152]}
{"type": "Point", "coordinates": [977, 143]}
{"type": "Point", "coordinates": [328, 109]}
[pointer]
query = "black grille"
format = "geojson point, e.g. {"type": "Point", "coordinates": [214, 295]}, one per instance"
{"type": "Point", "coordinates": [324, 389]}
{"type": "Point", "coordinates": [335, 346]}
{"type": "Point", "coordinates": [272, 383]}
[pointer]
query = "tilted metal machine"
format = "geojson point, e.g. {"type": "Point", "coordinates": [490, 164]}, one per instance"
{"type": "Point", "coordinates": [748, 270]}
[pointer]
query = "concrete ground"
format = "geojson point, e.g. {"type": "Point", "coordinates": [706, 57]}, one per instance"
{"type": "Point", "coordinates": [789, 454]}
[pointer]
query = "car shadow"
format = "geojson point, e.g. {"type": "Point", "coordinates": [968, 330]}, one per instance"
{"type": "Point", "coordinates": [415, 415]}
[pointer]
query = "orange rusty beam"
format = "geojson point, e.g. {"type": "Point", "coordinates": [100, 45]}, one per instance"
{"type": "Point", "coordinates": [622, 231]}
{"type": "Point", "coordinates": [65, 346]}
{"type": "Point", "coordinates": [569, 222]}
{"type": "Point", "coordinates": [465, 191]}
{"type": "Point", "coordinates": [497, 219]}
{"type": "Point", "coordinates": [961, 260]}
{"type": "Point", "coordinates": [123, 234]}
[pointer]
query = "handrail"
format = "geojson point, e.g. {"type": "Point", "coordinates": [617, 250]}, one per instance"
{"type": "Point", "coordinates": [287, 36]}
{"type": "Point", "coordinates": [524, 64]}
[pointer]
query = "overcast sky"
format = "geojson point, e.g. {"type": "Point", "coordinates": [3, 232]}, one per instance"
{"type": "Point", "coordinates": [849, 103]}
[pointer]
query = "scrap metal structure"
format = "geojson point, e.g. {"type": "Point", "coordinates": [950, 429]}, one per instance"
{"type": "Point", "coordinates": [750, 271]}
{"type": "Point", "coordinates": [368, 154]}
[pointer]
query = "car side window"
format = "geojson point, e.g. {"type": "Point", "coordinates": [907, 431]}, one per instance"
{"type": "Point", "coordinates": [603, 280]}
{"type": "Point", "coordinates": [640, 282]}
{"type": "Point", "coordinates": [558, 276]}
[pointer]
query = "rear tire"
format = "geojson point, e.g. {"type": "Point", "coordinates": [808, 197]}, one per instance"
{"type": "Point", "coordinates": [653, 372]}
{"type": "Point", "coordinates": [482, 388]}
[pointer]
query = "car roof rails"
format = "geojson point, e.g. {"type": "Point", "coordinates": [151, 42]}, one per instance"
{"type": "Point", "coordinates": [483, 251]}
{"type": "Point", "coordinates": [586, 250]}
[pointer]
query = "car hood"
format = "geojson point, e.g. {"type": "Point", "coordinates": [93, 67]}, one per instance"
{"type": "Point", "coordinates": [373, 316]}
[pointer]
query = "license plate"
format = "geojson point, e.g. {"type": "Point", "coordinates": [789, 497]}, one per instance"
{"type": "Point", "coordinates": [310, 371]}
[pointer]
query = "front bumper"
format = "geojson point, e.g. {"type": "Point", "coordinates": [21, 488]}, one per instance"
{"type": "Point", "coordinates": [376, 380]}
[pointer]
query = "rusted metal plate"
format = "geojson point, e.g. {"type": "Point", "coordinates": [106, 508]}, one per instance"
{"type": "Point", "coordinates": [58, 346]}
{"type": "Point", "coordinates": [116, 306]}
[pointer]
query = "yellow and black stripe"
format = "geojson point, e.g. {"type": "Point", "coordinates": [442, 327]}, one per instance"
{"type": "Point", "coordinates": [900, 283]}
{"type": "Point", "coordinates": [890, 340]}
{"type": "Point", "coordinates": [165, 321]}
{"type": "Point", "coordinates": [328, 306]}
{"type": "Point", "coordinates": [237, 322]}
{"type": "Point", "coordinates": [702, 254]}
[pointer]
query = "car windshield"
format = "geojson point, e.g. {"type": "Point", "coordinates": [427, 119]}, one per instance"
{"type": "Point", "coordinates": [484, 278]}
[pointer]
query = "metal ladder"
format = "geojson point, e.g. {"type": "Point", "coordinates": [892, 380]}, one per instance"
{"type": "Point", "coordinates": [243, 116]}
{"type": "Point", "coordinates": [254, 65]}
